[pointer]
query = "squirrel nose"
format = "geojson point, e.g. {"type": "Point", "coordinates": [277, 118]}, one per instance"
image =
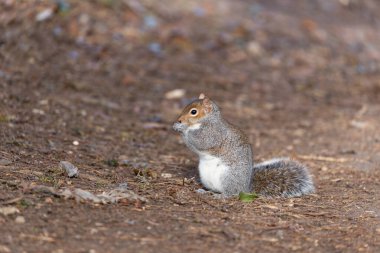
{"type": "Point", "coordinates": [179, 121]}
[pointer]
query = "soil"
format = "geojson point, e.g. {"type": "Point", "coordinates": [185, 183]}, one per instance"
{"type": "Point", "coordinates": [89, 84]}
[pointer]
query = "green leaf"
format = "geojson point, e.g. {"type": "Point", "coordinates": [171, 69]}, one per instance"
{"type": "Point", "coordinates": [247, 197]}
{"type": "Point", "coordinates": [112, 162]}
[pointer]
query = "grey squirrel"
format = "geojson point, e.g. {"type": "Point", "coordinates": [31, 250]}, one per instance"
{"type": "Point", "coordinates": [225, 157]}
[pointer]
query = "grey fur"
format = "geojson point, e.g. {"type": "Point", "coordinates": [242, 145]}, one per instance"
{"type": "Point", "coordinates": [224, 141]}
{"type": "Point", "coordinates": [295, 178]}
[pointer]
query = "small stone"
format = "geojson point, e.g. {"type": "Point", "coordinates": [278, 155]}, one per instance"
{"type": "Point", "coordinates": [58, 251]}
{"type": "Point", "coordinates": [345, 2]}
{"type": "Point", "coordinates": [154, 125]}
{"type": "Point", "coordinates": [70, 169]}
{"type": "Point", "coordinates": [155, 48]}
{"type": "Point", "coordinates": [38, 111]}
{"type": "Point", "coordinates": [175, 94]}
{"type": "Point", "coordinates": [5, 162]}
{"type": "Point", "coordinates": [150, 22]}
{"type": "Point", "coordinates": [201, 191]}
{"type": "Point", "coordinates": [359, 124]}
{"type": "Point", "coordinates": [269, 106]}
{"type": "Point", "coordinates": [290, 147]}
{"type": "Point", "coordinates": [166, 175]}
{"type": "Point", "coordinates": [43, 102]}
{"type": "Point", "coordinates": [4, 249]}
{"type": "Point", "coordinates": [7, 210]}
{"type": "Point", "coordinates": [254, 48]}
{"type": "Point", "coordinates": [57, 31]}
{"type": "Point", "coordinates": [83, 113]}
{"type": "Point", "coordinates": [75, 143]}
{"type": "Point", "coordinates": [199, 11]}
{"type": "Point", "coordinates": [123, 186]}
{"type": "Point", "coordinates": [299, 132]}
{"type": "Point", "coordinates": [130, 222]}
{"type": "Point", "coordinates": [49, 200]}
{"type": "Point", "coordinates": [45, 14]}
{"type": "Point", "coordinates": [20, 220]}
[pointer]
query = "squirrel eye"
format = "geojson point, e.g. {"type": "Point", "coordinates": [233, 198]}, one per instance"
{"type": "Point", "coordinates": [193, 112]}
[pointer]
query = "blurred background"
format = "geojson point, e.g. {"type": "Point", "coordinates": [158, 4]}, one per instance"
{"type": "Point", "coordinates": [74, 64]}
{"type": "Point", "coordinates": [99, 83]}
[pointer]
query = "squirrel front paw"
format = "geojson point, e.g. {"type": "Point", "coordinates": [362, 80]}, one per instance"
{"type": "Point", "coordinates": [179, 127]}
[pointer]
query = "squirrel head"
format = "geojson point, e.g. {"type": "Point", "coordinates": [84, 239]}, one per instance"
{"type": "Point", "coordinates": [195, 113]}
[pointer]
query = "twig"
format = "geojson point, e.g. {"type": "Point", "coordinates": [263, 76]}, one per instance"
{"type": "Point", "coordinates": [11, 201]}
{"type": "Point", "coordinates": [321, 214]}
{"type": "Point", "coordinates": [273, 228]}
{"type": "Point", "coordinates": [38, 237]}
{"type": "Point", "coordinates": [323, 158]}
{"type": "Point", "coordinates": [300, 204]}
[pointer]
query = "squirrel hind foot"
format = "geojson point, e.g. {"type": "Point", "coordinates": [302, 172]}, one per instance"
{"type": "Point", "coordinates": [282, 177]}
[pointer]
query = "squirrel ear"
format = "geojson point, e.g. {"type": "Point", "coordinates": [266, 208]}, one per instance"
{"type": "Point", "coordinates": [202, 96]}
{"type": "Point", "coordinates": [207, 103]}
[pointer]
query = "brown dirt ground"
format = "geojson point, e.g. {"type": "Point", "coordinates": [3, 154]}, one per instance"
{"type": "Point", "coordinates": [301, 78]}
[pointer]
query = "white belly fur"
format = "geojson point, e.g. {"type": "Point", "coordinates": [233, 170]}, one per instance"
{"type": "Point", "coordinates": [211, 170]}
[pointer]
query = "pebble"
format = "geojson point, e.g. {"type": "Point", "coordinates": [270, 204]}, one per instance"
{"type": "Point", "coordinates": [150, 22]}
{"type": "Point", "coordinates": [155, 48]}
{"type": "Point", "coordinates": [123, 186]}
{"type": "Point", "coordinates": [49, 200]}
{"type": "Point", "coordinates": [4, 248]}
{"type": "Point", "coordinates": [254, 48]}
{"type": "Point", "coordinates": [38, 111]}
{"type": "Point", "coordinates": [58, 251]}
{"type": "Point", "coordinates": [199, 11]}
{"type": "Point", "coordinates": [201, 191]}
{"type": "Point", "coordinates": [57, 31]}
{"type": "Point", "coordinates": [175, 94]}
{"type": "Point", "coordinates": [359, 124]}
{"type": "Point", "coordinates": [5, 162]}
{"type": "Point", "coordinates": [20, 220]}
{"type": "Point", "coordinates": [73, 55]}
{"type": "Point", "coordinates": [166, 175]}
{"type": "Point", "coordinates": [70, 169]}
{"type": "Point", "coordinates": [45, 14]}
{"type": "Point", "coordinates": [7, 210]}
{"type": "Point", "coordinates": [130, 222]}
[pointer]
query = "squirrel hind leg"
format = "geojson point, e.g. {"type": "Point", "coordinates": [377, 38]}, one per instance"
{"type": "Point", "coordinates": [282, 177]}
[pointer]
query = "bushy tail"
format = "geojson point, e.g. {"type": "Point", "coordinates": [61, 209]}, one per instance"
{"type": "Point", "coordinates": [282, 177]}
